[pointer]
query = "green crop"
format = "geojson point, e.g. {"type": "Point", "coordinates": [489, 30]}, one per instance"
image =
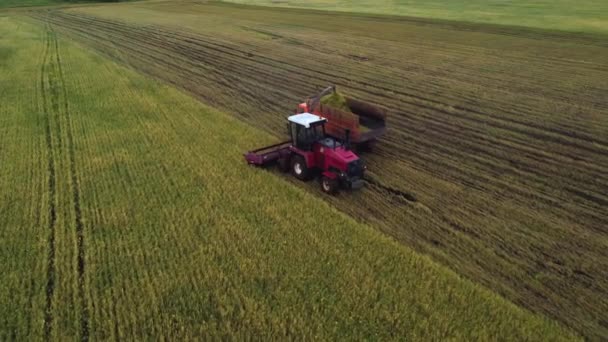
{"type": "Point", "coordinates": [335, 100]}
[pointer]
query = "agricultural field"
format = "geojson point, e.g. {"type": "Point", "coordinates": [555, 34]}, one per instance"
{"type": "Point", "coordinates": [589, 16]}
{"type": "Point", "coordinates": [495, 162]}
{"type": "Point", "coordinates": [128, 213]}
{"type": "Point", "coordinates": [494, 166]}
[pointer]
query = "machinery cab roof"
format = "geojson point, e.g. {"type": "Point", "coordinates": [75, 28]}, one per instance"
{"type": "Point", "coordinates": [306, 119]}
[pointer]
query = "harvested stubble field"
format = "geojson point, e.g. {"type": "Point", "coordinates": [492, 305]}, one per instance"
{"type": "Point", "coordinates": [126, 212]}
{"type": "Point", "coordinates": [499, 133]}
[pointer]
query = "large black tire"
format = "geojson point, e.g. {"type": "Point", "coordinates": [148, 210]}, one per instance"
{"type": "Point", "coordinates": [329, 186]}
{"type": "Point", "coordinates": [299, 168]}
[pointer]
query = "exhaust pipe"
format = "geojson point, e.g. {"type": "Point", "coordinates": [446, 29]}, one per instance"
{"type": "Point", "coordinates": [347, 140]}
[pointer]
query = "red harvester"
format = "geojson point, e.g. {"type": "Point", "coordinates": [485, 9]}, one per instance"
{"type": "Point", "coordinates": [319, 147]}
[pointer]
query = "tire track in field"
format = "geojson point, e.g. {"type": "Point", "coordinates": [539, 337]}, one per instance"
{"type": "Point", "coordinates": [50, 284]}
{"type": "Point", "coordinates": [80, 242]}
{"type": "Point", "coordinates": [56, 104]}
{"type": "Point", "coordinates": [76, 199]}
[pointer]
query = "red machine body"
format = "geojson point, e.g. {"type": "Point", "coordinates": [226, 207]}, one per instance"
{"type": "Point", "coordinates": [311, 152]}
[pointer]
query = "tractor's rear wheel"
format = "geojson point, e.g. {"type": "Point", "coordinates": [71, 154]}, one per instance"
{"type": "Point", "coordinates": [329, 186]}
{"type": "Point", "coordinates": [299, 168]}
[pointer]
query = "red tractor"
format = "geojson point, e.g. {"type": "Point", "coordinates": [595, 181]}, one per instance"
{"type": "Point", "coordinates": [311, 152]}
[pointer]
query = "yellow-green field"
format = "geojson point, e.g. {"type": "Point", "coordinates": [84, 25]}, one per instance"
{"type": "Point", "coordinates": [590, 16]}
{"type": "Point", "coordinates": [127, 213]}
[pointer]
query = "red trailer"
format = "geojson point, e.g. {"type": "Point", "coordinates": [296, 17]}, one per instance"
{"type": "Point", "coordinates": [365, 122]}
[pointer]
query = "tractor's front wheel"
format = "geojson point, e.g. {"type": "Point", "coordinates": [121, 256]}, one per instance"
{"type": "Point", "coordinates": [299, 168]}
{"type": "Point", "coordinates": [329, 186]}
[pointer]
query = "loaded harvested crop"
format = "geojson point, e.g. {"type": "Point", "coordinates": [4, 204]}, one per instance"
{"type": "Point", "coordinates": [336, 100]}
{"type": "Point", "coordinates": [343, 103]}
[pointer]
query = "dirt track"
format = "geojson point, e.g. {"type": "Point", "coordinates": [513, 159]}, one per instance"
{"type": "Point", "coordinates": [501, 134]}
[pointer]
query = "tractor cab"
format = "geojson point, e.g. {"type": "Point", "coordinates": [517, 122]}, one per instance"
{"type": "Point", "coordinates": [305, 129]}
